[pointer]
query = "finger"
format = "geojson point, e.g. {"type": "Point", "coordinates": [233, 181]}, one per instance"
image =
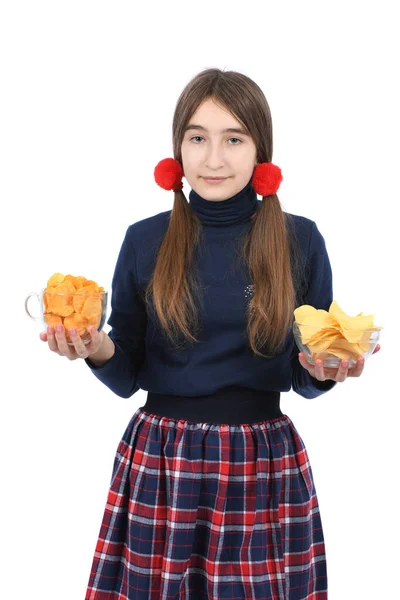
{"type": "Point", "coordinates": [51, 340]}
{"type": "Point", "coordinates": [319, 372]}
{"type": "Point", "coordinates": [376, 349]}
{"type": "Point", "coordinates": [357, 369]}
{"type": "Point", "coordinates": [79, 346]}
{"type": "Point", "coordinates": [43, 336]}
{"type": "Point", "coordinates": [342, 370]}
{"type": "Point", "coordinates": [62, 341]}
{"type": "Point", "coordinates": [304, 363]}
{"type": "Point", "coordinates": [302, 359]}
{"type": "Point", "coordinates": [95, 341]}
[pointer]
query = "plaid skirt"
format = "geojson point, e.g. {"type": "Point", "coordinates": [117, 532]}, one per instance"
{"type": "Point", "coordinates": [210, 511]}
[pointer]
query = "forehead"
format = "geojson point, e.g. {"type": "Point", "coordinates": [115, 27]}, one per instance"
{"type": "Point", "coordinates": [214, 118]}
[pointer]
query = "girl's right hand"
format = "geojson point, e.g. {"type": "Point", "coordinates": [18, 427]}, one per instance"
{"type": "Point", "coordinates": [58, 342]}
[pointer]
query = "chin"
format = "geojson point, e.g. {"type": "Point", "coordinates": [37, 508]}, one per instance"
{"type": "Point", "coordinates": [220, 191]}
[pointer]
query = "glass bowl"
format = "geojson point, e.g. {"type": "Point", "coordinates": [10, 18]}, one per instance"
{"type": "Point", "coordinates": [71, 309]}
{"type": "Point", "coordinates": [332, 347]}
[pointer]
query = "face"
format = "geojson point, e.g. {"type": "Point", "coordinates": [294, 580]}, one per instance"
{"type": "Point", "coordinates": [215, 145]}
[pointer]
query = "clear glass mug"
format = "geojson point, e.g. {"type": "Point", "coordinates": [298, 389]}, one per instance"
{"type": "Point", "coordinates": [71, 309]}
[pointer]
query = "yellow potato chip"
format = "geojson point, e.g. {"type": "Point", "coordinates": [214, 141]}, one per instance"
{"type": "Point", "coordinates": [322, 341]}
{"type": "Point", "coordinates": [344, 350]}
{"type": "Point", "coordinates": [76, 320]}
{"type": "Point", "coordinates": [92, 306]}
{"type": "Point", "coordinates": [81, 296]}
{"type": "Point", "coordinates": [55, 279]}
{"type": "Point", "coordinates": [47, 297]}
{"type": "Point", "coordinates": [78, 301]}
{"type": "Point", "coordinates": [60, 307]}
{"type": "Point", "coordinates": [92, 284]}
{"type": "Point", "coordinates": [79, 282]}
{"type": "Point", "coordinates": [94, 320]}
{"type": "Point", "coordinates": [61, 299]}
{"type": "Point", "coordinates": [308, 315]}
{"type": "Point", "coordinates": [349, 324]}
{"type": "Point", "coordinates": [71, 279]}
{"type": "Point", "coordinates": [52, 319]}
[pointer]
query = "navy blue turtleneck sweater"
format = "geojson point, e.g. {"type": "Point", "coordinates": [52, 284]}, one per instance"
{"type": "Point", "coordinates": [145, 359]}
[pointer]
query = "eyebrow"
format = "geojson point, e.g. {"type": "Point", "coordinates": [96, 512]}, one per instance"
{"type": "Point", "coordinates": [228, 130]}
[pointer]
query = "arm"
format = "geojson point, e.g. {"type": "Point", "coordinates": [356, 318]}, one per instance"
{"type": "Point", "coordinates": [320, 295]}
{"type": "Point", "coordinates": [123, 350]}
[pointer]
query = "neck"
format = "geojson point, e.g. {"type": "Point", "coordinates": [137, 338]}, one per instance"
{"type": "Point", "coordinates": [223, 213]}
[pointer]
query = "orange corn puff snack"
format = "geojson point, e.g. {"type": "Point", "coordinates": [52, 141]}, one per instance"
{"type": "Point", "coordinates": [74, 302]}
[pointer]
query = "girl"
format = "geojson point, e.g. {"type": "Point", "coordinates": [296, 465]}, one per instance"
{"type": "Point", "coordinates": [212, 494]}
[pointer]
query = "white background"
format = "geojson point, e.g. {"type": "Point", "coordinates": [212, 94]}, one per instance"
{"type": "Point", "coordinates": [88, 94]}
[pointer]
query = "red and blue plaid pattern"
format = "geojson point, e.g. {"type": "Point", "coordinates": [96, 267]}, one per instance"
{"type": "Point", "coordinates": [202, 511]}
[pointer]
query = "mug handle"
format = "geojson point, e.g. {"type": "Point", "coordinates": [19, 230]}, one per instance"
{"type": "Point", "coordinates": [26, 305]}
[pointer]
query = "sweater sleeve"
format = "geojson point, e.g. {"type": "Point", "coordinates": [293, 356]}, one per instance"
{"type": "Point", "coordinates": [319, 294]}
{"type": "Point", "coordinates": [128, 321]}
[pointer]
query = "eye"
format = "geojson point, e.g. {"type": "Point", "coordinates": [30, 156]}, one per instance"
{"type": "Point", "coordinates": [232, 138]}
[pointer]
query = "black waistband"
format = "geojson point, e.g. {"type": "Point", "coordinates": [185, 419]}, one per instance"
{"type": "Point", "coordinates": [228, 405]}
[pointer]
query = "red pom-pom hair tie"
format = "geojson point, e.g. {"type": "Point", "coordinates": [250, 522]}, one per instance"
{"type": "Point", "coordinates": [168, 174]}
{"type": "Point", "coordinates": [266, 179]}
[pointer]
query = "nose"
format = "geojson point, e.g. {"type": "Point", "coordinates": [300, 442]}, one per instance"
{"type": "Point", "coordinates": [214, 157]}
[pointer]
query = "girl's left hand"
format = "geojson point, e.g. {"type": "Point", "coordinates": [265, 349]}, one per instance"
{"type": "Point", "coordinates": [322, 373]}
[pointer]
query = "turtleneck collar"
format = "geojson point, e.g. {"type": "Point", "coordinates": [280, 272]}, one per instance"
{"type": "Point", "coordinates": [236, 209]}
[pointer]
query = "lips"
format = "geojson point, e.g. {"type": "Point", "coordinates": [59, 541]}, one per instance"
{"type": "Point", "coordinates": [214, 178]}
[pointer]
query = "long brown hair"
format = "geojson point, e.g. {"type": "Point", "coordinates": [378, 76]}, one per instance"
{"type": "Point", "coordinates": [269, 247]}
